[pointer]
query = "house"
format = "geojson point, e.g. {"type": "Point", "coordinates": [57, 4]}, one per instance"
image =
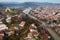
{"type": "Point", "coordinates": [3, 26]}
{"type": "Point", "coordinates": [22, 24]}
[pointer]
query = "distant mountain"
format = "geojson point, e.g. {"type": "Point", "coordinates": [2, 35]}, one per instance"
{"type": "Point", "coordinates": [25, 3]}
{"type": "Point", "coordinates": [9, 3]}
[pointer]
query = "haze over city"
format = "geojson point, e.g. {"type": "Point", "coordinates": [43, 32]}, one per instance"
{"type": "Point", "coordinates": [29, 19]}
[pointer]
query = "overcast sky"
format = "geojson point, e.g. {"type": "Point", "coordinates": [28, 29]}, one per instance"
{"type": "Point", "coordinates": [50, 1]}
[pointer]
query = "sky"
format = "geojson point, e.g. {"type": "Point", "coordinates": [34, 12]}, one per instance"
{"type": "Point", "coordinates": [50, 1]}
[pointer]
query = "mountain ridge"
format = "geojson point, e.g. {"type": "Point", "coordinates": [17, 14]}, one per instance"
{"type": "Point", "coordinates": [25, 3]}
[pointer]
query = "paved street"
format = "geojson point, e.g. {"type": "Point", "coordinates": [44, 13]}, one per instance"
{"type": "Point", "coordinates": [54, 35]}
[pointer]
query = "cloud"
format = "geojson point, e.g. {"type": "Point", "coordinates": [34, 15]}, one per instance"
{"type": "Point", "coordinates": [8, 0]}
{"type": "Point", "coordinates": [51, 1]}
{"type": "Point", "coordinates": [23, 0]}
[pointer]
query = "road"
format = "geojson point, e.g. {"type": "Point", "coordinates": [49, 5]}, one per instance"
{"type": "Point", "coordinates": [54, 35]}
